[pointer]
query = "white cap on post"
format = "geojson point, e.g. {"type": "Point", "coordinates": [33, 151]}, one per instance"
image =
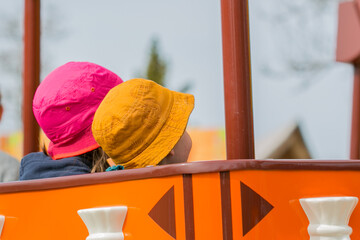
{"type": "Point", "coordinates": [104, 223]}
{"type": "Point", "coordinates": [329, 217]}
{"type": "Point", "coordinates": [2, 221]}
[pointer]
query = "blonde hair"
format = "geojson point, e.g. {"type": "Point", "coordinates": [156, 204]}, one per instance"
{"type": "Point", "coordinates": [99, 160]}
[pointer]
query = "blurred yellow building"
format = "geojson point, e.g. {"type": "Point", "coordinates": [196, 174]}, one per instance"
{"type": "Point", "coordinates": [208, 144]}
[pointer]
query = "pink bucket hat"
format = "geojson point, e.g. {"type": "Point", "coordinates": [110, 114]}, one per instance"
{"type": "Point", "coordinates": [65, 103]}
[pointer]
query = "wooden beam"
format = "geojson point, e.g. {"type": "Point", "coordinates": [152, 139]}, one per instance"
{"type": "Point", "coordinates": [237, 79]}
{"type": "Point", "coordinates": [31, 73]}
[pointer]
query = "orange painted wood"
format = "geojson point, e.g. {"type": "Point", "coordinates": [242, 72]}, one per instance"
{"type": "Point", "coordinates": [207, 202]}
{"type": "Point", "coordinates": [52, 214]}
{"type": "Point", "coordinates": [283, 189]}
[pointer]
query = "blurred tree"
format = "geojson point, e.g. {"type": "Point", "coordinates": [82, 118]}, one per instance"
{"type": "Point", "coordinates": [301, 39]}
{"type": "Point", "coordinates": [156, 68]}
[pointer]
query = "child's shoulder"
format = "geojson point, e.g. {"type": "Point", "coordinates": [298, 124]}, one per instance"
{"type": "Point", "coordinates": [38, 165]}
{"type": "Point", "coordinates": [34, 156]}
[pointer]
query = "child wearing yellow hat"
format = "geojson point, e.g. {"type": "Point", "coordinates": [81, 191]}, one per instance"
{"type": "Point", "coordinates": [140, 123]}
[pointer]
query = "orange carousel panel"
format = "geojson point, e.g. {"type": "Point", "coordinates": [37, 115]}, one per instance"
{"type": "Point", "coordinates": [52, 214]}
{"type": "Point", "coordinates": [207, 206]}
{"type": "Point", "coordinates": [265, 204]}
{"type": "Point", "coordinates": [237, 204]}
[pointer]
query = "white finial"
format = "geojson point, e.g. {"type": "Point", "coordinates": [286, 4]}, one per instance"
{"type": "Point", "coordinates": [329, 217]}
{"type": "Point", "coordinates": [104, 223]}
{"type": "Point", "coordinates": [2, 221]}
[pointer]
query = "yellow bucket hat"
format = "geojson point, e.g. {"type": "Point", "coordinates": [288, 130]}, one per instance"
{"type": "Point", "coordinates": [139, 122]}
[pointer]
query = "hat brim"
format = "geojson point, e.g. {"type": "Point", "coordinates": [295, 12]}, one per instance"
{"type": "Point", "coordinates": [169, 135]}
{"type": "Point", "coordinates": [81, 143]}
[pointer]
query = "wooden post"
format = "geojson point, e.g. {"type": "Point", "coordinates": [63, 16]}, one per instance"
{"type": "Point", "coordinates": [237, 79]}
{"type": "Point", "coordinates": [355, 128]}
{"type": "Point", "coordinates": [348, 51]}
{"type": "Point", "coordinates": [31, 73]}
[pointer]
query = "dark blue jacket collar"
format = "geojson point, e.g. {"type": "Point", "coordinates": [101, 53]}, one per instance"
{"type": "Point", "coordinates": [37, 165]}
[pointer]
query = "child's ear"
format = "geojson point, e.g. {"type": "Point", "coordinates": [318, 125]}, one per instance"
{"type": "Point", "coordinates": [168, 158]}
{"type": "Point", "coordinates": [171, 153]}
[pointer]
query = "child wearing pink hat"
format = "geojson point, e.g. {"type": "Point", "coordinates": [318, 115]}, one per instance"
{"type": "Point", "coordinates": [64, 106]}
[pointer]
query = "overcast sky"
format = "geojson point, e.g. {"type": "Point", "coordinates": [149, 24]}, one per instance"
{"type": "Point", "coordinates": [117, 35]}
